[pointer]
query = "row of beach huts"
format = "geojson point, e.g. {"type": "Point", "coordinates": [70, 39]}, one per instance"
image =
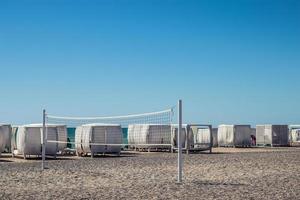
{"type": "Point", "coordinates": [92, 139]}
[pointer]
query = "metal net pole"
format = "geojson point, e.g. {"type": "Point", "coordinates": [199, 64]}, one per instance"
{"type": "Point", "coordinates": [179, 178]}
{"type": "Point", "coordinates": [43, 137]}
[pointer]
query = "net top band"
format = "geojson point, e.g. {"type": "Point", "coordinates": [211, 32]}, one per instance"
{"type": "Point", "coordinates": [112, 117]}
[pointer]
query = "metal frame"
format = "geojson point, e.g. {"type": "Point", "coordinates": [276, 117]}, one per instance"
{"type": "Point", "coordinates": [187, 147]}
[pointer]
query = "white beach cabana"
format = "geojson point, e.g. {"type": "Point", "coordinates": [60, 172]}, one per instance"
{"type": "Point", "coordinates": [234, 135]}
{"type": "Point", "coordinates": [149, 136]}
{"type": "Point", "coordinates": [194, 137]}
{"type": "Point", "coordinates": [28, 139]}
{"type": "Point", "coordinates": [98, 139]}
{"type": "Point", "coordinates": [272, 135]}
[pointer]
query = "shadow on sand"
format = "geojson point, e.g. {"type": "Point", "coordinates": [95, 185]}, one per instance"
{"type": "Point", "coordinates": [122, 155]}
{"type": "Point", "coordinates": [58, 158]}
{"type": "Point", "coordinates": [206, 153]}
{"type": "Point", "coordinates": [6, 155]}
{"type": "Point", "coordinates": [5, 161]}
{"type": "Point", "coordinates": [202, 183]}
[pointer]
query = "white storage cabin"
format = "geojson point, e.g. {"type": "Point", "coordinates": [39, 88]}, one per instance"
{"type": "Point", "coordinates": [272, 135]}
{"type": "Point", "coordinates": [89, 135]}
{"type": "Point", "coordinates": [234, 135]}
{"type": "Point", "coordinates": [149, 136]}
{"type": "Point", "coordinates": [29, 139]}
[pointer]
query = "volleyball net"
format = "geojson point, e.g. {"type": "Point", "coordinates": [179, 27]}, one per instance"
{"type": "Point", "coordinates": [98, 135]}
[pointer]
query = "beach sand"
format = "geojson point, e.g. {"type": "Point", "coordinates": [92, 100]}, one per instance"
{"type": "Point", "coordinates": [228, 173]}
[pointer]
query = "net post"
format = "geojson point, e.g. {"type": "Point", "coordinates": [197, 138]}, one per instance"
{"type": "Point", "coordinates": [211, 138]}
{"type": "Point", "coordinates": [43, 136]}
{"type": "Point", "coordinates": [179, 178]}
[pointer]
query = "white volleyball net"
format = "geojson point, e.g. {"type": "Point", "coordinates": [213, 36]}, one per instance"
{"type": "Point", "coordinates": [98, 135]}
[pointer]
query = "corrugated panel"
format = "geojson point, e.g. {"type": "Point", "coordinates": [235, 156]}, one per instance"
{"type": "Point", "coordinates": [78, 140]}
{"type": "Point", "coordinates": [159, 134]}
{"type": "Point", "coordinates": [284, 135]}
{"type": "Point", "coordinates": [272, 134]}
{"type": "Point", "coordinates": [260, 131]}
{"type": "Point", "coordinates": [114, 136]}
{"type": "Point", "coordinates": [99, 134]}
{"type": "Point", "coordinates": [280, 134]}
{"type": "Point", "coordinates": [62, 137]}
{"type": "Point", "coordinates": [242, 135]}
{"type": "Point", "coordinates": [225, 135]}
{"type": "Point", "coordinates": [276, 134]}
{"type": "Point", "coordinates": [51, 148]}
{"type": "Point", "coordinates": [149, 134]}
{"type": "Point", "coordinates": [203, 136]}
{"type": "Point", "coordinates": [215, 137]}
{"type": "Point", "coordinates": [32, 141]}
{"type": "Point", "coordinates": [234, 135]}
{"type": "Point", "coordinates": [86, 138]}
{"type": "Point", "coordinates": [6, 131]}
{"type": "Point", "coordinates": [20, 140]}
{"type": "Point", "coordinates": [139, 134]}
{"type": "Point", "coordinates": [14, 138]}
{"type": "Point", "coordinates": [130, 134]}
{"type": "Point", "coordinates": [268, 135]}
{"type": "Point", "coordinates": [2, 139]}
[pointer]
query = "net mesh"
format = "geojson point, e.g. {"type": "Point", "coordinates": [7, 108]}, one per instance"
{"type": "Point", "coordinates": [111, 134]}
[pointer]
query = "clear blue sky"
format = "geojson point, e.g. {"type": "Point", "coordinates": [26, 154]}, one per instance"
{"type": "Point", "coordinates": [230, 61]}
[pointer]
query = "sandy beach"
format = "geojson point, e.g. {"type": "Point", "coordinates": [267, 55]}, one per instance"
{"type": "Point", "coordinates": [233, 173]}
